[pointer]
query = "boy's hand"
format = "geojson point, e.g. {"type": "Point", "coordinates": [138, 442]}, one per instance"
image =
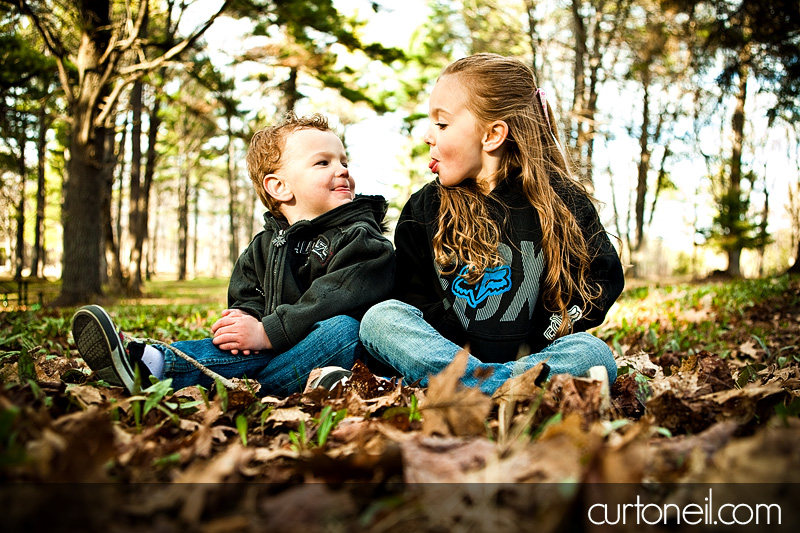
{"type": "Point", "coordinates": [237, 330]}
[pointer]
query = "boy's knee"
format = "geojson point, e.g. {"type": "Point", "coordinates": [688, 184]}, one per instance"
{"type": "Point", "coordinates": [342, 324]}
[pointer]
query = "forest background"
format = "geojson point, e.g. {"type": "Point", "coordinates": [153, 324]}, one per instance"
{"type": "Point", "coordinates": [124, 125]}
{"type": "Point", "coordinates": [124, 131]}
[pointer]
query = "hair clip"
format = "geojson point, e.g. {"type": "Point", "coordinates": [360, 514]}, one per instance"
{"type": "Point", "coordinates": [543, 100]}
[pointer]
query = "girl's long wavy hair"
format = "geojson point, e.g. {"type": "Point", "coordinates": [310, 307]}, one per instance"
{"type": "Point", "coordinates": [501, 88]}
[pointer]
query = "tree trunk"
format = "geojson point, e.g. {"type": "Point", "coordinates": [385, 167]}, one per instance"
{"type": "Point", "coordinates": [530, 8]}
{"type": "Point", "coordinates": [643, 170]}
{"type": "Point", "coordinates": [795, 268]}
{"type": "Point", "coordinates": [82, 227]}
{"type": "Point", "coordinates": [196, 226]}
{"type": "Point", "coordinates": [136, 161]}
{"type": "Point", "coordinates": [123, 142]}
{"type": "Point", "coordinates": [144, 218]}
{"type": "Point", "coordinates": [579, 80]}
{"type": "Point", "coordinates": [112, 242]}
{"type": "Point", "coordinates": [183, 213]}
{"type": "Point", "coordinates": [82, 204]}
{"type": "Point", "coordinates": [139, 197]}
{"type": "Point", "coordinates": [22, 139]}
{"type": "Point", "coordinates": [734, 187]}
{"type": "Point", "coordinates": [233, 195]}
{"type": "Point", "coordinates": [290, 93]}
{"type": "Point", "coordinates": [38, 259]}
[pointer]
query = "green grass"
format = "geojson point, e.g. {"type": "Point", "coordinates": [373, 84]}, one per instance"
{"type": "Point", "coordinates": [681, 319]}
{"type": "Point", "coordinates": [688, 318]}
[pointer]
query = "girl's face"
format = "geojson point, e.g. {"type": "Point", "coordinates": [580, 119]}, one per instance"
{"type": "Point", "coordinates": [454, 135]}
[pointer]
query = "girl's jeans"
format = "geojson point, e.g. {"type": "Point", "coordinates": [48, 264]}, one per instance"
{"type": "Point", "coordinates": [332, 342]}
{"type": "Point", "coordinates": [396, 334]}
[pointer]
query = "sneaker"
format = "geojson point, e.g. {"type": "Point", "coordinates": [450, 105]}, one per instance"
{"type": "Point", "coordinates": [600, 373]}
{"type": "Point", "coordinates": [329, 377]}
{"type": "Point", "coordinates": [104, 349]}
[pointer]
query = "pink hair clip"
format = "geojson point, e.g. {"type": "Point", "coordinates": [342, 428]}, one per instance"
{"type": "Point", "coordinates": [543, 99]}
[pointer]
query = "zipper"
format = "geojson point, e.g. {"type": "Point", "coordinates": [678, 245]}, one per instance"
{"type": "Point", "coordinates": [278, 258]}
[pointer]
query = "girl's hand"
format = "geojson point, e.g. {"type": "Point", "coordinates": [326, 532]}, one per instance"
{"type": "Point", "coordinates": [237, 330]}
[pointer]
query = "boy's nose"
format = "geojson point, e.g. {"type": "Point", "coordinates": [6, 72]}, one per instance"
{"type": "Point", "coordinates": [343, 171]}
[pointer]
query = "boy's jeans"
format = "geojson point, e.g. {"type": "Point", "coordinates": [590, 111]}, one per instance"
{"type": "Point", "coordinates": [332, 342]}
{"type": "Point", "coordinates": [396, 334]}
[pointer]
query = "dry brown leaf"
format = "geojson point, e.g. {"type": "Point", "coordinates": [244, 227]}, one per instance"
{"type": "Point", "coordinates": [641, 363]}
{"type": "Point", "coordinates": [749, 349]}
{"type": "Point", "coordinates": [75, 449]}
{"type": "Point", "coordinates": [204, 475]}
{"type": "Point", "coordinates": [681, 458]}
{"type": "Point", "coordinates": [519, 388]}
{"type": "Point", "coordinates": [769, 456]}
{"type": "Point", "coordinates": [287, 416]}
{"type": "Point", "coordinates": [567, 394]}
{"type": "Point", "coordinates": [308, 508]}
{"type": "Point", "coordinates": [452, 409]}
{"type": "Point", "coordinates": [205, 434]}
{"type": "Point", "coordinates": [561, 453]}
{"type": "Point", "coordinates": [85, 395]}
{"type": "Point", "coordinates": [443, 459]}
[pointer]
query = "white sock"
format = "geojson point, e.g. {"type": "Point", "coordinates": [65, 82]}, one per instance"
{"type": "Point", "coordinates": [154, 360]}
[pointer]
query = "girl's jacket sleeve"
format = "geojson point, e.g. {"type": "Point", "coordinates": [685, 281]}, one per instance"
{"type": "Point", "coordinates": [415, 278]}
{"type": "Point", "coordinates": [605, 269]}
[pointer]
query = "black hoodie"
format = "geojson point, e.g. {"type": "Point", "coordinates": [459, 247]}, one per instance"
{"type": "Point", "coordinates": [502, 316]}
{"type": "Point", "coordinates": [291, 277]}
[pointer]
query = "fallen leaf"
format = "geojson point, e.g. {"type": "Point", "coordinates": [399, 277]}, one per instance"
{"type": "Point", "coordinates": [449, 407]}
{"type": "Point", "coordinates": [443, 459]}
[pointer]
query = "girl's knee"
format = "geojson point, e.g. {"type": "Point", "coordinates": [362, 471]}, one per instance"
{"type": "Point", "coordinates": [601, 353]}
{"type": "Point", "coordinates": [382, 315]}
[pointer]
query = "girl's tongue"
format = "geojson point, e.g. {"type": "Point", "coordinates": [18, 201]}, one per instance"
{"type": "Point", "coordinates": [434, 166]}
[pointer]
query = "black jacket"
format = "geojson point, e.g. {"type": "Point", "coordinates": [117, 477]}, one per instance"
{"type": "Point", "coordinates": [502, 316]}
{"type": "Point", "coordinates": [291, 277]}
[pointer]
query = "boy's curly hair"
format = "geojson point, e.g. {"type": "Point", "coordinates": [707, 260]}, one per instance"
{"type": "Point", "coordinates": [266, 149]}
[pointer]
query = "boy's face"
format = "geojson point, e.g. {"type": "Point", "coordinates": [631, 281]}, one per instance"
{"type": "Point", "coordinates": [313, 178]}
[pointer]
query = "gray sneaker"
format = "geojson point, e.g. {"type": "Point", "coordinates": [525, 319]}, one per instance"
{"type": "Point", "coordinates": [104, 349]}
{"type": "Point", "coordinates": [600, 373]}
{"type": "Point", "coordinates": [329, 377]}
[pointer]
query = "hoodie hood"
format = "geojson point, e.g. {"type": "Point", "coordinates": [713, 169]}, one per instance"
{"type": "Point", "coordinates": [367, 208]}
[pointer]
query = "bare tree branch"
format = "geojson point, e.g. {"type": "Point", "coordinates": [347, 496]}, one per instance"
{"type": "Point", "coordinates": [130, 74]}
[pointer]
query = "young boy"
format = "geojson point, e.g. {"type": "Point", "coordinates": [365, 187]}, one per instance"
{"type": "Point", "coordinates": [297, 291]}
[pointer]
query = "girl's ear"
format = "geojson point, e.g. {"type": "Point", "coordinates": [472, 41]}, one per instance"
{"type": "Point", "coordinates": [277, 188]}
{"type": "Point", "coordinates": [495, 135]}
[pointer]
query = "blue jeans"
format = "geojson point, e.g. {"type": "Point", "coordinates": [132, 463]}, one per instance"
{"type": "Point", "coordinates": [396, 334]}
{"type": "Point", "coordinates": [332, 342]}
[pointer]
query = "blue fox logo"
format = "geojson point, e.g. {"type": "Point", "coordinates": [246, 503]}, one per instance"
{"type": "Point", "coordinates": [494, 281]}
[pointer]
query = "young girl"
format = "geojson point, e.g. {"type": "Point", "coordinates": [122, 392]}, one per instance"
{"type": "Point", "coordinates": [504, 253]}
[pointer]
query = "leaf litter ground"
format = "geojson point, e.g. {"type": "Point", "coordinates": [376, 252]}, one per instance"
{"type": "Point", "coordinates": [378, 456]}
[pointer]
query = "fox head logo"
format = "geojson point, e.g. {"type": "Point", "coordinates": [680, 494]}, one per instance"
{"type": "Point", "coordinates": [494, 281]}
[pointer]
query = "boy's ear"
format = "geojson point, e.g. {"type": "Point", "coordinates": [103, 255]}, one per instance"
{"type": "Point", "coordinates": [277, 188]}
{"type": "Point", "coordinates": [495, 135]}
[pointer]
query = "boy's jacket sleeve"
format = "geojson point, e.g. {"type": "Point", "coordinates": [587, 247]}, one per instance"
{"type": "Point", "coordinates": [360, 274]}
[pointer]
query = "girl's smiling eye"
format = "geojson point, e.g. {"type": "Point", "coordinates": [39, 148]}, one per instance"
{"type": "Point", "coordinates": [440, 125]}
